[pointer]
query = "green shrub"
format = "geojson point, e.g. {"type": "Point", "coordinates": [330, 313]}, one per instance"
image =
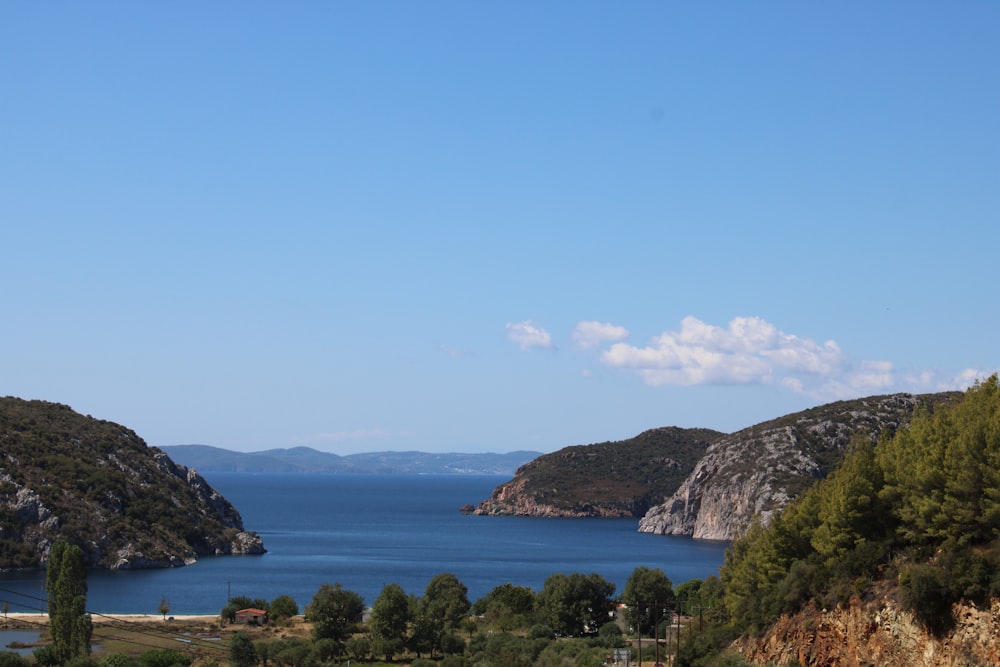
{"type": "Point", "coordinates": [611, 635]}
{"type": "Point", "coordinates": [10, 659]}
{"type": "Point", "coordinates": [925, 593]}
{"type": "Point", "coordinates": [164, 658]}
{"type": "Point", "coordinates": [540, 631]}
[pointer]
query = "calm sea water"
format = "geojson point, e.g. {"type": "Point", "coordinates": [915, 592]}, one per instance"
{"type": "Point", "coordinates": [365, 531]}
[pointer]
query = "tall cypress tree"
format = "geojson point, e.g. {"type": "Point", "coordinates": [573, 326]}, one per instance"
{"type": "Point", "coordinates": [66, 585]}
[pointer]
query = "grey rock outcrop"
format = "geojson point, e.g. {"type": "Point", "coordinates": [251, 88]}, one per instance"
{"type": "Point", "coordinates": [756, 471]}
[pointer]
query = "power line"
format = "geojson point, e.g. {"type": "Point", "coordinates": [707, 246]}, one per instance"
{"type": "Point", "coordinates": [124, 624]}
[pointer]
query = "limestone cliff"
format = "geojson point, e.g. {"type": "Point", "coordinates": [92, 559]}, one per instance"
{"type": "Point", "coordinates": [759, 469]}
{"type": "Point", "coordinates": [875, 633]}
{"type": "Point", "coordinates": [96, 484]}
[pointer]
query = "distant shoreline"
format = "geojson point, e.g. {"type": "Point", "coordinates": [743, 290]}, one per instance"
{"type": "Point", "coordinates": [208, 460]}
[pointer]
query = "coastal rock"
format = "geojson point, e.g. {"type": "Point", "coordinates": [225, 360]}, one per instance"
{"type": "Point", "coordinates": [756, 471]}
{"type": "Point", "coordinates": [511, 499]}
{"type": "Point", "coordinates": [128, 558]}
{"type": "Point", "coordinates": [96, 484]}
{"type": "Point", "coordinates": [244, 543]}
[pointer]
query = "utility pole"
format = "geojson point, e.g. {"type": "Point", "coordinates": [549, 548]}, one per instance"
{"type": "Point", "coordinates": [659, 611]}
{"type": "Point", "coordinates": [677, 657]}
{"type": "Point", "coordinates": [638, 627]}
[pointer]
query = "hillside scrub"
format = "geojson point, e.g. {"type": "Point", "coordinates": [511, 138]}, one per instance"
{"type": "Point", "coordinates": [920, 507]}
{"type": "Point", "coordinates": [623, 478]}
{"type": "Point", "coordinates": [96, 484]}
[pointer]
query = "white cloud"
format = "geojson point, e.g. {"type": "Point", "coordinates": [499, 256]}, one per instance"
{"type": "Point", "coordinates": [590, 334]}
{"type": "Point", "coordinates": [931, 381]}
{"type": "Point", "coordinates": [864, 379]}
{"type": "Point", "coordinates": [528, 335]}
{"type": "Point", "coordinates": [749, 351]}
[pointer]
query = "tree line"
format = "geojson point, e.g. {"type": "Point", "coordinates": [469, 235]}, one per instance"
{"type": "Point", "coordinates": [920, 508]}
{"type": "Point", "coordinates": [573, 620]}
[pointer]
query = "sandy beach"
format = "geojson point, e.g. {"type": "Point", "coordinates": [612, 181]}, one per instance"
{"type": "Point", "coordinates": [98, 618]}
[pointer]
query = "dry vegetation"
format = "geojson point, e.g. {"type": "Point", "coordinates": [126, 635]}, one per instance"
{"type": "Point", "coordinates": [205, 638]}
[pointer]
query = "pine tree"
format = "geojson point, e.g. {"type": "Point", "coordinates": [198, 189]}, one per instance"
{"type": "Point", "coordinates": [941, 474]}
{"type": "Point", "coordinates": [849, 512]}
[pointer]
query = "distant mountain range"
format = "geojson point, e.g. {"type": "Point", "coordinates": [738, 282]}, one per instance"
{"type": "Point", "coordinates": [205, 458]}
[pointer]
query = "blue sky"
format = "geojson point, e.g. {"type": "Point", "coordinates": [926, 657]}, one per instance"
{"type": "Point", "coordinates": [453, 226]}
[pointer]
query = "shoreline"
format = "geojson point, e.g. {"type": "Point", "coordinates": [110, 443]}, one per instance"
{"type": "Point", "coordinates": [97, 618]}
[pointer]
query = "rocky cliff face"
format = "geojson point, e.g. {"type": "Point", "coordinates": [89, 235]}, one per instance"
{"type": "Point", "coordinates": [96, 484]}
{"type": "Point", "coordinates": [514, 498]}
{"type": "Point", "coordinates": [876, 633]}
{"type": "Point", "coordinates": [756, 471]}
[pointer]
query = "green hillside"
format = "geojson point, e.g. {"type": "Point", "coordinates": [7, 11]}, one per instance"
{"type": "Point", "coordinates": [621, 478]}
{"type": "Point", "coordinates": [920, 509]}
{"type": "Point", "coordinates": [96, 484]}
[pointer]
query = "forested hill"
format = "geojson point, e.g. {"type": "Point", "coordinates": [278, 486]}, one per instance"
{"type": "Point", "coordinates": [96, 484]}
{"type": "Point", "coordinates": [701, 482]}
{"type": "Point", "coordinates": [903, 533]}
{"type": "Point", "coordinates": [622, 478]}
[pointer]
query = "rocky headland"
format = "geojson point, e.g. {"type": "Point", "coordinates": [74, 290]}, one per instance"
{"type": "Point", "coordinates": [756, 471]}
{"type": "Point", "coordinates": [610, 479]}
{"type": "Point", "coordinates": [96, 484]}
{"type": "Point", "coordinates": [699, 482]}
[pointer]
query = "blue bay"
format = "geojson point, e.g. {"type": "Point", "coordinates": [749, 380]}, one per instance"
{"type": "Point", "coordinates": [365, 531]}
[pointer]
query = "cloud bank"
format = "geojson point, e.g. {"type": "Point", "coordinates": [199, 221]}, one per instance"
{"type": "Point", "coordinates": [748, 351]}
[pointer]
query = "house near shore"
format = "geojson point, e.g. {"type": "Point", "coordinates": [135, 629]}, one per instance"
{"type": "Point", "coordinates": [250, 616]}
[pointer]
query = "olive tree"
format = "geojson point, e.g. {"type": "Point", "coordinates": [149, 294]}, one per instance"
{"type": "Point", "coordinates": [242, 652]}
{"type": "Point", "coordinates": [283, 606]}
{"type": "Point", "coordinates": [334, 611]}
{"type": "Point", "coordinates": [575, 603]}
